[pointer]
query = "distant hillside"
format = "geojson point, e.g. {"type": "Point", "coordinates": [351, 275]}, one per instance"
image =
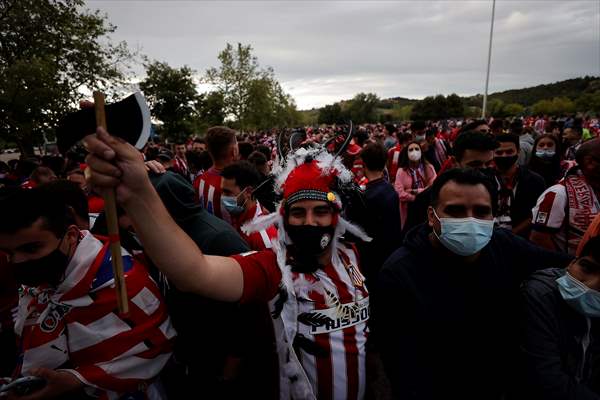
{"type": "Point", "coordinates": [571, 88]}
{"type": "Point", "coordinates": [575, 90]}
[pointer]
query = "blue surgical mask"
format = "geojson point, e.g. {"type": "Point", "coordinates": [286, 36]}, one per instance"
{"type": "Point", "coordinates": [464, 236]}
{"type": "Point", "coordinates": [583, 299]}
{"type": "Point", "coordinates": [231, 205]}
{"type": "Point", "coordinates": [545, 154]}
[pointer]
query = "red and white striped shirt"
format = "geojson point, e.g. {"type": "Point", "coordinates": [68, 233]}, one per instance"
{"type": "Point", "coordinates": [333, 310]}
{"type": "Point", "coordinates": [259, 240]}
{"type": "Point", "coordinates": [75, 326]}
{"type": "Point", "coordinates": [208, 189]}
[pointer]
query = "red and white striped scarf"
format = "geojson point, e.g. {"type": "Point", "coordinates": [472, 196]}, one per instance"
{"type": "Point", "coordinates": [75, 327]}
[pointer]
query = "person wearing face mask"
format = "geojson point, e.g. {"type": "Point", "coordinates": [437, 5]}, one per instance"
{"type": "Point", "coordinates": [561, 327]}
{"type": "Point", "coordinates": [519, 188]}
{"type": "Point", "coordinates": [454, 286]}
{"type": "Point", "coordinates": [472, 149]}
{"type": "Point", "coordinates": [546, 159]}
{"type": "Point", "coordinates": [415, 174]}
{"type": "Point", "coordinates": [68, 329]}
{"type": "Point", "coordinates": [565, 210]}
{"type": "Point", "coordinates": [240, 179]}
{"type": "Point", "coordinates": [311, 279]}
{"type": "Point", "coordinates": [417, 128]}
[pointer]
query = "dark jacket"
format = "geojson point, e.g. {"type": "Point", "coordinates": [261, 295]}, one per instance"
{"type": "Point", "coordinates": [382, 225]}
{"type": "Point", "coordinates": [416, 213]}
{"type": "Point", "coordinates": [530, 187]}
{"type": "Point", "coordinates": [555, 366]}
{"type": "Point", "coordinates": [209, 331]}
{"type": "Point", "coordinates": [448, 329]}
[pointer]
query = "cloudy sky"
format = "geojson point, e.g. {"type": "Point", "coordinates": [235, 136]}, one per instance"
{"type": "Point", "coordinates": [324, 51]}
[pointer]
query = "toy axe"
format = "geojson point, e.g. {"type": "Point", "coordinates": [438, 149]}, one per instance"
{"type": "Point", "coordinates": [128, 119]}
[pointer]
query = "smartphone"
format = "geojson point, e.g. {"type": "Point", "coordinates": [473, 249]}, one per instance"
{"type": "Point", "coordinates": [24, 386]}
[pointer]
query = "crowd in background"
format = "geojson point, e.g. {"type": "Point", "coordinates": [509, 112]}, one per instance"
{"type": "Point", "coordinates": [436, 330]}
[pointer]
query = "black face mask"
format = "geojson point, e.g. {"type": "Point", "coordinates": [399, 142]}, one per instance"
{"type": "Point", "coordinates": [48, 269]}
{"type": "Point", "coordinates": [504, 163]}
{"type": "Point", "coordinates": [309, 242]}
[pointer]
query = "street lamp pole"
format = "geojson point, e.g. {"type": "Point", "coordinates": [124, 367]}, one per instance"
{"type": "Point", "coordinates": [487, 78]}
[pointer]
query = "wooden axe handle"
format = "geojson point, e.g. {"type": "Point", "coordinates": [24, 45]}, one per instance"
{"type": "Point", "coordinates": [110, 209]}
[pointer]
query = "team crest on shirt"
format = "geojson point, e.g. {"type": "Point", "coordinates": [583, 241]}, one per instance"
{"type": "Point", "coordinates": [55, 313]}
{"type": "Point", "coordinates": [541, 218]}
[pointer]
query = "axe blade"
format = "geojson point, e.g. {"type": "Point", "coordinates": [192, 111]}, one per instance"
{"type": "Point", "coordinates": [128, 119]}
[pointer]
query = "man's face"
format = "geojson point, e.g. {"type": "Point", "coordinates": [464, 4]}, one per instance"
{"type": "Point", "coordinates": [591, 169]}
{"type": "Point", "coordinates": [45, 178]}
{"type": "Point", "coordinates": [587, 271]}
{"type": "Point", "coordinates": [310, 212]}
{"type": "Point", "coordinates": [546, 144]}
{"type": "Point", "coordinates": [506, 149]}
{"type": "Point", "coordinates": [483, 128]}
{"type": "Point", "coordinates": [36, 242]}
{"type": "Point", "coordinates": [571, 135]}
{"type": "Point", "coordinates": [477, 159]}
{"type": "Point", "coordinates": [180, 150]}
{"type": "Point", "coordinates": [199, 147]}
{"type": "Point", "coordinates": [229, 187]}
{"type": "Point", "coordinates": [461, 201]}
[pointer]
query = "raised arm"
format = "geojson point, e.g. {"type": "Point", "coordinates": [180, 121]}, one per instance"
{"type": "Point", "coordinates": [115, 164]}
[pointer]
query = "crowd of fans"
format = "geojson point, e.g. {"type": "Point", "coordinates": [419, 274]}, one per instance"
{"type": "Point", "coordinates": [420, 260]}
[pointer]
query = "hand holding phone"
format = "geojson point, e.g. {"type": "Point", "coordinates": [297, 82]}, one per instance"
{"type": "Point", "coordinates": [43, 383]}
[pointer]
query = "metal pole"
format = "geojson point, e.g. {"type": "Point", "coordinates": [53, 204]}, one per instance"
{"type": "Point", "coordinates": [487, 78]}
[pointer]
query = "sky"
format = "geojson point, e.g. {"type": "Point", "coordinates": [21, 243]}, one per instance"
{"type": "Point", "coordinates": [326, 51]}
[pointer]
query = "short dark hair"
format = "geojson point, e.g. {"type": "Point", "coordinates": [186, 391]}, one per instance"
{"type": "Point", "coordinates": [257, 158]}
{"type": "Point", "coordinates": [473, 140]}
{"type": "Point", "coordinates": [218, 140]}
{"type": "Point", "coordinates": [405, 137]}
{"type": "Point", "coordinates": [244, 173]}
{"type": "Point", "coordinates": [497, 123]}
{"type": "Point", "coordinates": [200, 140]}
{"type": "Point", "coordinates": [472, 125]}
{"type": "Point", "coordinates": [374, 156]}
{"type": "Point", "coordinates": [591, 147]}
{"type": "Point", "coordinates": [463, 176]}
{"type": "Point", "coordinates": [516, 127]}
{"type": "Point", "coordinates": [23, 207]}
{"type": "Point", "coordinates": [266, 150]}
{"type": "Point", "coordinates": [246, 148]}
{"type": "Point", "coordinates": [417, 125]}
{"type": "Point", "coordinates": [70, 192]}
{"type": "Point", "coordinates": [509, 138]}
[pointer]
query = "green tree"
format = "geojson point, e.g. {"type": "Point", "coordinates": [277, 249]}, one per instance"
{"type": "Point", "coordinates": [210, 109]}
{"type": "Point", "coordinates": [454, 106]}
{"type": "Point", "coordinates": [404, 113]}
{"type": "Point", "coordinates": [171, 93]}
{"type": "Point", "coordinates": [331, 114]}
{"type": "Point", "coordinates": [50, 50]}
{"type": "Point", "coordinates": [513, 110]}
{"type": "Point", "coordinates": [589, 102]}
{"type": "Point", "coordinates": [252, 97]}
{"type": "Point", "coordinates": [362, 108]}
{"type": "Point", "coordinates": [495, 108]}
{"type": "Point", "coordinates": [269, 106]}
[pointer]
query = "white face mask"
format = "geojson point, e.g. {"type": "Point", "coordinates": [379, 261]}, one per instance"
{"type": "Point", "coordinates": [414, 154]}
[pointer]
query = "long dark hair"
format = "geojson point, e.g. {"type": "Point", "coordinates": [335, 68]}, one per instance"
{"type": "Point", "coordinates": [549, 169]}
{"type": "Point", "coordinates": [404, 162]}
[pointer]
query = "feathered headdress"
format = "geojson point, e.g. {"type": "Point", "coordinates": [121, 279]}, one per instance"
{"type": "Point", "coordinates": [306, 173]}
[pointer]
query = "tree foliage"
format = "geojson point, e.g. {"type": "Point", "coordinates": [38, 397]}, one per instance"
{"type": "Point", "coordinates": [251, 95]}
{"type": "Point", "coordinates": [49, 50]}
{"type": "Point", "coordinates": [556, 106]}
{"type": "Point", "coordinates": [438, 107]}
{"type": "Point", "coordinates": [173, 98]}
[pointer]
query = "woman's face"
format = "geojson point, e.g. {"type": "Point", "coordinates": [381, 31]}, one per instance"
{"type": "Point", "coordinates": [413, 146]}
{"type": "Point", "coordinates": [546, 144]}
